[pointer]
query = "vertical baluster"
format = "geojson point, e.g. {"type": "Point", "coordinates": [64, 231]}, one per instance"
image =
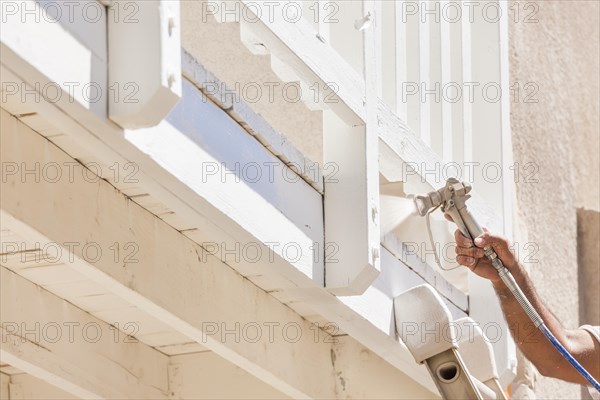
{"type": "Point", "coordinates": [310, 12]}
{"type": "Point", "coordinates": [432, 90]}
{"type": "Point", "coordinates": [424, 74]}
{"type": "Point", "coordinates": [386, 20]}
{"type": "Point", "coordinates": [447, 73]}
{"type": "Point", "coordinates": [401, 31]}
{"type": "Point", "coordinates": [344, 37]}
{"type": "Point", "coordinates": [467, 76]}
{"type": "Point", "coordinates": [326, 16]}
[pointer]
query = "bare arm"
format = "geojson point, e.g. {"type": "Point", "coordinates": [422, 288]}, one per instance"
{"type": "Point", "coordinates": [530, 340]}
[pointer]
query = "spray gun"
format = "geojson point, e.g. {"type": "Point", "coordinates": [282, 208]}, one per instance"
{"type": "Point", "coordinates": [452, 199]}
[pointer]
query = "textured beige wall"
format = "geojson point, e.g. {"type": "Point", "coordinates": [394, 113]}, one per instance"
{"type": "Point", "coordinates": [560, 134]}
{"type": "Point", "coordinates": [218, 47]}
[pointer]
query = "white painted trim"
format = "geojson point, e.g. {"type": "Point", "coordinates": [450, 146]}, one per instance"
{"type": "Point", "coordinates": [316, 305]}
{"type": "Point", "coordinates": [452, 294]}
{"type": "Point", "coordinates": [86, 143]}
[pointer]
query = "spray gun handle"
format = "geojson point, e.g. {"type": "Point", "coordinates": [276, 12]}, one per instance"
{"type": "Point", "coordinates": [475, 230]}
{"type": "Point", "coordinates": [470, 223]}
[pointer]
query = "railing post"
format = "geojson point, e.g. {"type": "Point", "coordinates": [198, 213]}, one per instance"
{"type": "Point", "coordinates": [144, 80]}
{"type": "Point", "coordinates": [352, 201]}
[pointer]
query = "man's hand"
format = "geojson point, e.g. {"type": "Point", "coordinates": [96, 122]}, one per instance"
{"type": "Point", "coordinates": [471, 255]}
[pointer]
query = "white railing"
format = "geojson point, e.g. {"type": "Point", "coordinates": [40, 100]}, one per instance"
{"type": "Point", "coordinates": [442, 67]}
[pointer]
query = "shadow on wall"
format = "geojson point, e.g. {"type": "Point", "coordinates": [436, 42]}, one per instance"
{"type": "Point", "coordinates": [588, 258]}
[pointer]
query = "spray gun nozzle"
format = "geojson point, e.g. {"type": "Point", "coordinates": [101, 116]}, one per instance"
{"type": "Point", "coordinates": [427, 202]}
{"type": "Point", "coordinates": [423, 204]}
{"type": "Point", "coordinates": [453, 190]}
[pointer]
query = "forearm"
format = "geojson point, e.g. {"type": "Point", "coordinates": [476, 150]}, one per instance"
{"type": "Point", "coordinates": [532, 342]}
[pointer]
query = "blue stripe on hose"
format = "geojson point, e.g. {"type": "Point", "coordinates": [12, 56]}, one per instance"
{"type": "Point", "coordinates": [569, 357]}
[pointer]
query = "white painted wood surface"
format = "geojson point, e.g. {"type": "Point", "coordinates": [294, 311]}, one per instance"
{"type": "Point", "coordinates": [352, 200]}
{"type": "Point", "coordinates": [147, 78]}
{"type": "Point", "coordinates": [425, 82]}
{"type": "Point", "coordinates": [42, 43]}
{"type": "Point", "coordinates": [252, 122]}
{"type": "Point", "coordinates": [351, 207]}
{"type": "Point", "coordinates": [251, 189]}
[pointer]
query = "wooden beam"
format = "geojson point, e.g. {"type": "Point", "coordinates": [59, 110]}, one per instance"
{"type": "Point", "coordinates": [236, 191]}
{"type": "Point", "coordinates": [491, 148]}
{"type": "Point", "coordinates": [203, 219]}
{"type": "Point", "coordinates": [81, 139]}
{"type": "Point", "coordinates": [47, 337]}
{"type": "Point", "coordinates": [175, 279]}
{"type": "Point", "coordinates": [369, 380]}
{"type": "Point", "coordinates": [208, 376]}
{"type": "Point", "coordinates": [28, 387]}
{"type": "Point", "coordinates": [181, 283]}
{"type": "Point", "coordinates": [4, 386]}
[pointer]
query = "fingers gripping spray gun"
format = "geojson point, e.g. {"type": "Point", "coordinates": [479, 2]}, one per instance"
{"type": "Point", "coordinates": [452, 198]}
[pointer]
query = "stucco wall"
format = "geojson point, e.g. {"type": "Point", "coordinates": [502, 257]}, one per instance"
{"type": "Point", "coordinates": [560, 134]}
{"type": "Point", "coordinates": [218, 47]}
